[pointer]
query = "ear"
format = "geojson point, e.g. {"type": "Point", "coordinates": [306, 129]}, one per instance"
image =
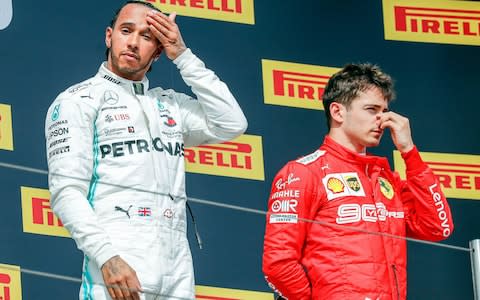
{"type": "Point", "coordinates": [108, 37]}
{"type": "Point", "coordinates": [158, 52]}
{"type": "Point", "coordinates": [337, 112]}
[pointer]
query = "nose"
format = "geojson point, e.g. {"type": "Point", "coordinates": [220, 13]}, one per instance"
{"type": "Point", "coordinates": [132, 41]}
{"type": "Point", "coordinates": [377, 118]}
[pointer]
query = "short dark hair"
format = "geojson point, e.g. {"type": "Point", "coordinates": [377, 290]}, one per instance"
{"type": "Point", "coordinates": [346, 85]}
{"type": "Point", "coordinates": [115, 16]}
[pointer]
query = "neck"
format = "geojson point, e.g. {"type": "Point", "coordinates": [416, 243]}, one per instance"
{"type": "Point", "coordinates": [340, 138]}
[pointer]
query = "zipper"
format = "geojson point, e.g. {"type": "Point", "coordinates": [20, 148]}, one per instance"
{"type": "Point", "coordinates": [396, 280]}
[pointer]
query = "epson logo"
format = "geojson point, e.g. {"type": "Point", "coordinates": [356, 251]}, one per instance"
{"type": "Point", "coordinates": [58, 132]}
{"type": "Point", "coordinates": [6, 13]}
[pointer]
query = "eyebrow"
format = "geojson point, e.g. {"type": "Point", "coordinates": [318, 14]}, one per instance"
{"type": "Point", "coordinates": [127, 24]}
{"type": "Point", "coordinates": [132, 24]}
{"type": "Point", "coordinates": [378, 106]}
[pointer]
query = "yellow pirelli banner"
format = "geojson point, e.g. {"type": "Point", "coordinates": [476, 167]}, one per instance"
{"type": "Point", "coordinates": [459, 174]}
{"type": "Point", "coordinates": [237, 11]}
{"type": "Point", "coordinates": [432, 21]}
{"type": "Point", "coordinates": [10, 282]}
{"type": "Point", "coordinates": [6, 131]}
{"type": "Point", "coordinates": [37, 215]}
{"type": "Point", "coordinates": [215, 293]}
{"type": "Point", "coordinates": [294, 84]}
{"type": "Point", "coordinates": [240, 158]}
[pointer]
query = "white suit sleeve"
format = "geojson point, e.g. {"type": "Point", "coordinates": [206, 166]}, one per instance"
{"type": "Point", "coordinates": [70, 138]}
{"type": "Point", "coordinates": [215, 115]}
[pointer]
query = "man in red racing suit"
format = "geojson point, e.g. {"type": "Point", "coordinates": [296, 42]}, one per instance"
{"type": "Point", "coordinates": [336, 217]}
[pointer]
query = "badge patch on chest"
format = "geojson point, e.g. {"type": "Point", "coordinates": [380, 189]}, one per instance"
{"type": "Point", "coordinates": [386, 188]}
{"type": "Point", "coordinates": [343, 184]}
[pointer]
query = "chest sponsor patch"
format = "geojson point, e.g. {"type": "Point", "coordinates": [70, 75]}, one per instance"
{"type": "Point", "coordinates": [342, 185]}
{"type": "Point", "coordinates": [283, 218]}
{"type": "Point", "coordinates": [386, 188]}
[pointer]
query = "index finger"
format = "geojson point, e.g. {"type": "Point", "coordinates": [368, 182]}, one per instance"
{"type": "Point", "coordinates": [158, 14]}
{"type": "Point", "coordinates": [133, 291]}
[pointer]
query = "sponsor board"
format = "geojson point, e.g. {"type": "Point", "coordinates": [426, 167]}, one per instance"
{"type": "Point", "coordinates": [10, 283]}
{"type": "Point", "coordinates": [236, 11]}
{"type": "Point", "coordinates": [439, 21]}
{"type": "Point", "coordinates": [458, 174]}
{"type": "Point", "coordinates": [6, 131]}
{"type": "Point", "coordinates": [294, 84]}
{"type": "Point", "coordinates": [215, 293]}
{"type": "Point", "coordinates": [37, 214]}
{"type": "Point", "coordinates": [240, 158]}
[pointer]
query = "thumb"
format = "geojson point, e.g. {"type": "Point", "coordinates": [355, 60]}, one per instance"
{"type": "Point", "coordinates": [172, 16]}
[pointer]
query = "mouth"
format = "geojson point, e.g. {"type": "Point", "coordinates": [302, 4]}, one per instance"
{"type": "Point", "coordinates": [130, 55]}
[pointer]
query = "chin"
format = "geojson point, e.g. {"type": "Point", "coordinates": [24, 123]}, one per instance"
{"type": "Point", "coordinates": [374, 143]}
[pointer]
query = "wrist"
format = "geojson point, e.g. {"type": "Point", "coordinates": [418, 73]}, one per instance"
{"type": "Point", "coordinates": [406, 148]}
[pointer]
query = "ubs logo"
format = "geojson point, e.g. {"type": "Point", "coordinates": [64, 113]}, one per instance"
{"type": "Point", "coordinates": [6, 13]}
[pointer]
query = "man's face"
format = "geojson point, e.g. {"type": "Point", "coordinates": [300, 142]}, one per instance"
{"type": "Point", "coordinates": [132, 46]}
{"type": "Point", "coordinates": [361, 124]}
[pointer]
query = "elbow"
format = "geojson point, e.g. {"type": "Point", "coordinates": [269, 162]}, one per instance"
{"type": "Point", "coordinates": [443, 232]}
{"type": "Point", "coordinates": [233, 130]}
{"type": "Point", "coordinates": [271, 265]}
{"type": "Point", "coordinates": [267, 269]}
{"type": "Point", "coordinates": [448, 230]}
{"type": "Point", "coordinates": [242, 125]}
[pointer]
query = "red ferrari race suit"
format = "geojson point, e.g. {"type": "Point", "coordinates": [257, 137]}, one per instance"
{"type": "Point", "coordinates": [349, 196]}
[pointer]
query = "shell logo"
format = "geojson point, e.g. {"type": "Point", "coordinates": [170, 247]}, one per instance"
{"type": "Point", "coordinates": [335, 185]}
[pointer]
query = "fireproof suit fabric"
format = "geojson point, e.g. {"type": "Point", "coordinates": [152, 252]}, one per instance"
{"type": "Point", "coordinates": [117, 176]}
{"type": "Point", "coordinates": [347, 195]}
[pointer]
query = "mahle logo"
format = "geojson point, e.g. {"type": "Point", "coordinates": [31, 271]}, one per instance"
{"type": "Point", "coordinates": [6, 13]}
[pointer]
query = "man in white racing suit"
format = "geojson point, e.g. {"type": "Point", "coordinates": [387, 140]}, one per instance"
{"type": "Point", "coordinates": [115, 156]}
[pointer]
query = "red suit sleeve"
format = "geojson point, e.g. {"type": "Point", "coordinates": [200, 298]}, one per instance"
{"type": "Point", "coordinates": [427, 212]}
{"type": "Point", "coordinates": [291, 201]}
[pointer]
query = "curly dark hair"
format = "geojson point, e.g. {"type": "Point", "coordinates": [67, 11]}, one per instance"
{"type": "Point", "coordinates": [346, 84]}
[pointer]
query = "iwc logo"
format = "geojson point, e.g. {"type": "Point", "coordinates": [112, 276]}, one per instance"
{"type": "Point", "coordinates": [6, 13]}
{"type": "Point", "coordinates": [386, 188]}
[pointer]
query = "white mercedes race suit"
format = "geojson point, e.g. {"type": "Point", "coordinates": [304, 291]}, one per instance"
{"type": "Point", "coordinates": [116, 171]}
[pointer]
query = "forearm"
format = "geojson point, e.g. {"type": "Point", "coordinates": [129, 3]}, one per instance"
{"type": "Point", "coordinates": [78, 217]}
{"type": "Point", "coordinates": [429, 213]}
{"type": "Point", "coordinates": [221, 109]}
